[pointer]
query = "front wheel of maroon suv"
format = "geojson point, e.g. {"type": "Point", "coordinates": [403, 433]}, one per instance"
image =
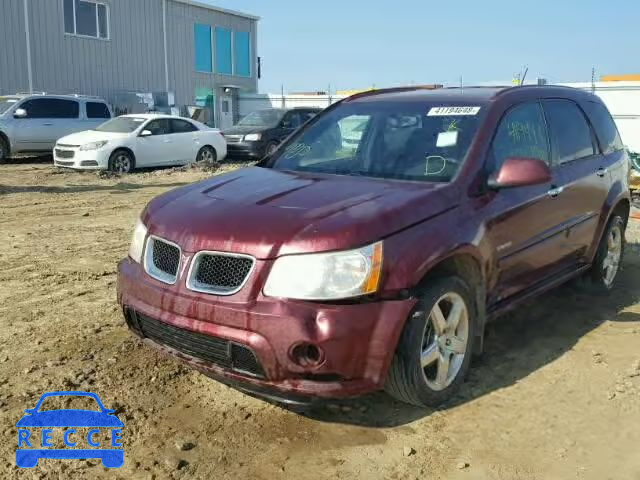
{"type": "Point", "coordinates": [435, 348]}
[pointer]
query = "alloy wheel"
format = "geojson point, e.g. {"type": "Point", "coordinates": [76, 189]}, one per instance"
{"type": "Point", "coordinates": [206, 156]}
{"type": "Point", "coordinates": [122, 163]}
{"type": "Point", "coordinates": [445, 340]}
{"type": "Point", "coordinates": [611, 262]}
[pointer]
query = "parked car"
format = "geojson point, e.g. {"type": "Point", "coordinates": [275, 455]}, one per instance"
{"type": "Point", "coordinates": [259, 133]}
{"type": "Point", "coordinates": [635, 174]}
{"type": "Point", "coordinates": [31, 124]}
{"type": "Point", "coordinates": [141, 140]}
{"type": "Point", "coordinates": [324, 272]}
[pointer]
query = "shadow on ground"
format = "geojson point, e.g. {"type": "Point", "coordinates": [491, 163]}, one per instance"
{"type": "Point", "coordinates": [518, 344]}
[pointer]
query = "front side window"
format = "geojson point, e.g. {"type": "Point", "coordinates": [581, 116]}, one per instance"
{"type": "Point", "coordinates": [97, 110]}
{"type": "Point", "coordinates": [121, 125]}
{"type": "Point", "coordinates": [520, 134]}
{"type": "Point", "coordinates": [569, 131]}
{"type": "Point", "coordinates": [159, 127]}
{"type": "Point", "coordinates": [51, 108]}
{"type": "Point", "coordinates": [86, 18]}
{"type": "Point", "coordinates": [384, 139]}
{"type": "Point", "coordinates": [605, 127]}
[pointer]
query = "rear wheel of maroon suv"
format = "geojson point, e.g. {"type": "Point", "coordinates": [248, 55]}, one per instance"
{"type": "Point", "coordinates": [606, 265]}
{"type": "Point", "coordinates": [435, 349]}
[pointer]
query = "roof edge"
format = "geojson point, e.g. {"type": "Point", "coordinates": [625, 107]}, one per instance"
{"type": "Point", "coordinates": [196, 3]}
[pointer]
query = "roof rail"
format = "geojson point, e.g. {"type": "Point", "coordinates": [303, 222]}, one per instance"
{"type": "Point", "coordinates": [75, 95]}
{"type": "Point", "coordinates": [392, 90]}
{"type": "Point", "coordinates": [31, 93]}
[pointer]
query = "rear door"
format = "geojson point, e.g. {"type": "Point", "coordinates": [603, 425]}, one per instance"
{"type": "Point", "coordinates": [47, 120]}
{"type": "Point", "coordinates": [525, 224]}
{"type": "Point", "coordinates": [185, 140]}
{"type": "Point", "coordinates": [290, 122]}
{"type": "Point", "coordinates": [583, 174]}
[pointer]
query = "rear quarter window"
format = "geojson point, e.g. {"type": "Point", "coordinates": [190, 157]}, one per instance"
{"type": "Point", "coordinates": [605, 127]}
{"type": "Point", "coordinates": [97, 110]}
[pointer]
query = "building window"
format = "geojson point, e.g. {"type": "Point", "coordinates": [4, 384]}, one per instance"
{"type": "Point", "coordinates": [242, 52]}
{"type": "Point", "coordinates": [202, 44]}
{"type": "Point", "coordinates": [223, 51]}
{"type": "Point", "coordinates": [86, 18]}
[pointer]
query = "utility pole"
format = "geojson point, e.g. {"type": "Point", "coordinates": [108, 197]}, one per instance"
{"type": "Point", "coordinates": [593, 79]}
{"type": "Point", "coordinates": [282, 101]}
{"type": "Point", "coordinates": [461, 84]}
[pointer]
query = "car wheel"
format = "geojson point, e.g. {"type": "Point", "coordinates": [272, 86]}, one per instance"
{"type": "Point", "coordinates": [435, 349]}
{"type": "Point", "coordinates": [606, 265]}
{"type": "Point", "coordinates": [121, 161]}
{"type": "Point", "coordinates": [4, 151]}
{"type": "Point", "coordinates": [270, 148]}
{"type": "Point", "coordinates": [207, 155]}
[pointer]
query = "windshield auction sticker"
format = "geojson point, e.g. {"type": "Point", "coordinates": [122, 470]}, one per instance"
{"type": "Point", "coordinates": [447, 111]}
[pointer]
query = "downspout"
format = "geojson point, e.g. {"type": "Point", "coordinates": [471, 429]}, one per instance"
{"type": "Point", "coordinates": [28, 38]}
{"type": "Point", "coordinates": [164, 39]}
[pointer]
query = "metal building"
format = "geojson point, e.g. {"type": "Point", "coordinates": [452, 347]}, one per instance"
{"type": "Point", "coordinates": [180, 52]}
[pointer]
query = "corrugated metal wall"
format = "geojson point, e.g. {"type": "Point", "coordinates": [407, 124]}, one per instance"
{"type": "Point", "coordinates": [13, 50]}
{"type": "Point", "coordinates": [132, 59]}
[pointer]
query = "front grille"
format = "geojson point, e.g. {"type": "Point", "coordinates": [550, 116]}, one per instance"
{"type": "Point", "coordinates": [162, 259]}
{"type": "Point", "coordinates": [219, 273]}
{"type": "Point", "coordinates": [234, 138]}
{"type": "Point", "coordinates": [64, 164]}
{"type": "Point", "coordinates": [65, 153]}
{"type": "Point", "coordinates": [211, 349]}
{"type": "Point", "coordinates": [66, 145]}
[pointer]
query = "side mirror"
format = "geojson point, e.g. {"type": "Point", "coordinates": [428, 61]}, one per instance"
{"type": "Point", "coordinates": [20, 113]}
{"type": "Point", "coordinates": [520, 172]}
{"type": "Point", "coordinates": [145, 133]}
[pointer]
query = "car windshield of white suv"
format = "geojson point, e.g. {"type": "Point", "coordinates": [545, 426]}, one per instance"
{"type": "Point", "coordinates": [384, 139]}
{"type": "Point", "coordinates": [121, 125]}
{"type": "Point", "coordinates": [6, 103]}
{"type": "Point", "coordinates": [262, 118]}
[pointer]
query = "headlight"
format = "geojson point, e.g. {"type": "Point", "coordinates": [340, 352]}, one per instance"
{"type": "Point", "coordinates": [326, 276]}
{"type": "Point", "coordinates": [137, 241]}
{"type": "Point", "coordinates": [252, 137]}
{"type": "Point", "coordinates": [93, 145]}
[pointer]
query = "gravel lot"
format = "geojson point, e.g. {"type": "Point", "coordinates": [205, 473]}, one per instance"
{"type": "Point", "coordinates": [557, 396]}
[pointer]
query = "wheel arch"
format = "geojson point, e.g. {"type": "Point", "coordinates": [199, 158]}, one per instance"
{"type": "Point", "coordinates": [5, 138]}
{"type": "Point", "coordinates": [126, 149]}
{"type": "Point", "coordinates": [467, 266]}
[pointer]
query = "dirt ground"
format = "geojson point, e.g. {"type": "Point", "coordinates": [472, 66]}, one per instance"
{"type": "Point", "coordinates": [557, 395]}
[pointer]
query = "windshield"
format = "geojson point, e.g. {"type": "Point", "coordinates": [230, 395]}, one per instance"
{"type": "Point", "coordinates": [262, 118]}
{"type": "Point", "coordinates": [121, 125]}
{"type": "Point", "coordinates": [6, 103]}
{"type": "Point", "coordinates": [395, 140]}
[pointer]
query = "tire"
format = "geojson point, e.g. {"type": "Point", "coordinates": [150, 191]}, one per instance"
{"type": "Point", "coordinates": [606, 264]}
{"type": "Point", "coordinates": [410, 382]}
{"type": "Point", "coordinates": [121, 161]}
{"type": "Point", "coordinates": [207, 155]}
{"type": "Point", "coordinates": [270, 148]}
{"type": "Point", "coordinates": [4, 151]}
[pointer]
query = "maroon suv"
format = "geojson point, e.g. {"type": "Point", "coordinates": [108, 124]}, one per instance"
{"type": "Point", "coordinates": [372, 247]}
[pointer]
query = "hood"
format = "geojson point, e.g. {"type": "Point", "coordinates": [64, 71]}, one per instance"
{"type": "Point", "coordinates": [89, 136]}
{"type": "Point", "coordinates": [242, 130]}
{"type": "Point", "coordinates": [267, 213]}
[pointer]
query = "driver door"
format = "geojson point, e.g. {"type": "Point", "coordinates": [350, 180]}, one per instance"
{"type": "Point", "coordinates": [526, 224]}
{"type": "Point", "coordinates": [155, 149]}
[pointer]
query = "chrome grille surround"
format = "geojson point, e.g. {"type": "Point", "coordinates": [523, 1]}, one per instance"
{"type": "Point", "coordinates": [170, 250]}
{"type": "Point", "coordinates": [244, 263]}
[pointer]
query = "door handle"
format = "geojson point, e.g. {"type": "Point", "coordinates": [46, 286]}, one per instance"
{"type": "Point", "coordinates": [48, 124]}
{"type": "Point", "coordinates": [555, 191]}
{"type": "Point", "coordinates": [601, 172]}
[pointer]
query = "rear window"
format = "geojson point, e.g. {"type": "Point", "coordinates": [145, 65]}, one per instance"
{"type": "Point", "coordinates": [384, 139]}
{"type": "Point", "coordinates": [605, 127]}
{"type": "Point", "coordinates": [97, 110]}
{"type": "Point", "coordinates": [182, 126]}
{"type": "Point", "coordinates": [569, 131]}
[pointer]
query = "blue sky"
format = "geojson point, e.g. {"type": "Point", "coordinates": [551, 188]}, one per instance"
{"type": "Point", "coordinates": [307, 45]}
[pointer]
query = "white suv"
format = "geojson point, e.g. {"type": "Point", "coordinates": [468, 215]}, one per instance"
{"type": "Point", "coordinates": [32, 123]}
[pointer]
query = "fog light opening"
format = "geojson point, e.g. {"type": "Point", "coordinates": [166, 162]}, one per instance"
{"type": "Point", "coordinates": [307, 355]}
